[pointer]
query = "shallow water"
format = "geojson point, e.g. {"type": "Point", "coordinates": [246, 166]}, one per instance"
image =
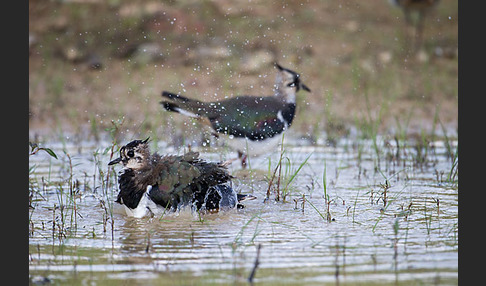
{"type": "Point", "coordinates": [408, 237]}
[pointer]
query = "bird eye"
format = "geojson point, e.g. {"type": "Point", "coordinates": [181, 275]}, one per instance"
{"type": "Point", "coordinates": [130, 153]}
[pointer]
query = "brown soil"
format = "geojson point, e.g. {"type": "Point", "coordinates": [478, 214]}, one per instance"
{"type": "Point", "coordinates": [96, 65]}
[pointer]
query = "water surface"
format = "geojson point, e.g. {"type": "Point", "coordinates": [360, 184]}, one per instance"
{"type": "Point", "coordinates": [408, 236]}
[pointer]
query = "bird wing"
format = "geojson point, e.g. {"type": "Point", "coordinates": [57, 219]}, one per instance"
{"type": "Point", "coordinates": [256, 118]}
{"type": "Point", "coordinates": [174, 175]}
{"type": "Point", "coordinates": [181, 179]}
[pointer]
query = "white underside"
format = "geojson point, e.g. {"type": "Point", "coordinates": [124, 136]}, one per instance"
{"type": "Point", "coordinates": [255, 148]}
{"type": "Point", "coordinates": [186, 113]}
{"type": "Point", "coordinates": [258, 147]}
{"type": "Point", "coordinates": [146, 207]}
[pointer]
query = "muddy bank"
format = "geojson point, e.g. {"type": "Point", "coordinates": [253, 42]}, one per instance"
{"type": "Point", "coordinates": [95, 66]}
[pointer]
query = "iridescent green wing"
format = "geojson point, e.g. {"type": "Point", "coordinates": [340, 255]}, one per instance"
{"type": "Point", "coordinates": [253, 117]}
{"type": "Point", "coordinates": [176, 174]}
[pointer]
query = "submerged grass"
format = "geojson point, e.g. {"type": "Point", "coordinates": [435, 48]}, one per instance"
{"type": "Point", "coordinates": [327, 200]}
{"type": "Point", "coordinates": [273, 226]}
{"type": "Point", "coordinates": [286, 178]}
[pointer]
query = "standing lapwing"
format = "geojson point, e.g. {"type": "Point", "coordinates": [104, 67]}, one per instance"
{"type": "Point", "coordinates": [151, 184]}
{"type": "Point", "coordinates": [421, 8]}
{"type": "Point", "coordinates": [251, 123]}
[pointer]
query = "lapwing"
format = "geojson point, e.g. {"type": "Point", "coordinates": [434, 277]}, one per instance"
{"type": "Point", "coordinates": [251, 123]}
{"type": "Point", "coordinates": [150, 184]}
{"type": "Point", "coordinates": [421, 8]}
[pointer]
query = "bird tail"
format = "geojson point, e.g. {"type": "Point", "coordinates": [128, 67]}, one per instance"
{"type": "Point", "coordinates": [175, 97]}
{"type": "Point", "coordinates": [182, 105]}
{"type": "Point", "coordinates": [242, 198]}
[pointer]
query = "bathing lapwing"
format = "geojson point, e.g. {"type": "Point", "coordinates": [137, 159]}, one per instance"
{"type": "Point", "coordinates": [251, 123]}
{"type": "Point", "coordinates": [421, 8]}
{"type": "Point", "coordinates": [150, 184]}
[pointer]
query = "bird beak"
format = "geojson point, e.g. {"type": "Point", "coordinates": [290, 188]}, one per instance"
{"type": "Point", "coordinates": [116, 161]}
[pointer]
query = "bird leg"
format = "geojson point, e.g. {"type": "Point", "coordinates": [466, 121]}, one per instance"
{"type": "Point", "coordinates": [243, 157]}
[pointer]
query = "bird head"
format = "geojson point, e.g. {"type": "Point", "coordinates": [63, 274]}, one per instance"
{"type": "Point", "coordinates": [134, 155]}
{"type": "Point", "coordinates": [288, 83]}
